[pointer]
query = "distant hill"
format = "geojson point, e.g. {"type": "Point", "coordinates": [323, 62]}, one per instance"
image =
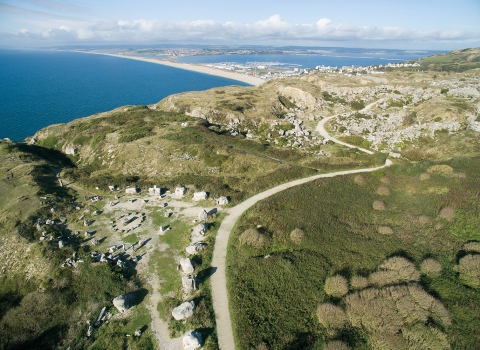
{"type": "Point", "coordinates": [456, 61]}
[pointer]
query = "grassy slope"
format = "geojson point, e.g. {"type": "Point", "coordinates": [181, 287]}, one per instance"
{"type": "Point", "coordinates": [274, 300]}
{"type": "Point", "coordinates": [41, 304]}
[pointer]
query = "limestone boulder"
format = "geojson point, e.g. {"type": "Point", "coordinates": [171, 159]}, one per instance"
{"type": "Point", "coordinates": [194, 248]}
{"type": "Point", "coordinates": [123, 302]}
{"type": "Point", "coordinates": [192, 340]}
{"type": "Point", "coordinates": [183, 311]}
{"type": "Point", "coordinates": [189, 284]}
{"type": "Point", "coordinates": [222, 200]}
{"type": "Point", "coordinates": [198, 233]}
{"type": "Point", "coordinates": [186, 265]}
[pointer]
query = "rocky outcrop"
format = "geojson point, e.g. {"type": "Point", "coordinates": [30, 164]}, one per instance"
{"type": "Point", "coordinates": [69, 149]}
{"type": "Point", "coordinates": [301, 98]}
{"type": "Point", "coordinates": [183, 311]}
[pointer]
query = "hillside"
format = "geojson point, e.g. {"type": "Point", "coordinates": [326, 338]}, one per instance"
{"type": "Point", "coordinates": [453, 61]}
{"type": "Point", "coordinates": [96, 210]}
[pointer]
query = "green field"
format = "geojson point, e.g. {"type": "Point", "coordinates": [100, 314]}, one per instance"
{"type": "Point", "coordinates": [276, 284]}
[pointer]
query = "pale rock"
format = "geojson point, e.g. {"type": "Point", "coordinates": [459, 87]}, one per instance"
{"type": "Point", "coordinates": [186, 265]}
{"type": "Point", "coordinates": [123, 302]}
{"type": "Point", "coordinates": [189, 284]}
{"type": "Point", "coordinates": [183, 311]}
{"type": "Point", "coordinates": [203, 215]}
{"type": "Point", "coordinates": [131, 190]}
{"type": "Point", "coordinates": [199, 196]}
{"type": "Point", "coordinates": [194, 248]}
{"type": "Point", "coordinates": [222, 200]}
{"type": "Point", "coordinates": [192, 340]}
{"type": "Point", "coordinates": [69, 149]}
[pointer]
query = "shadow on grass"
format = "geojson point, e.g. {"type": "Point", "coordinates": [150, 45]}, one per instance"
{"type": "Point", "coordinates": [205, 274]}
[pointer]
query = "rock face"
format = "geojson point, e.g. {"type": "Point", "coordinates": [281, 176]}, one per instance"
{"type": "Point", "coordinates": [123, 302]}
{"type": "Point", "coordinates": [69, 149]}
{"type": "Point", "coordinates": [192, 340]}
{"type": "Point", "coordinates": [183, 311]}
{"type": "Point", "coordinates": [186, 265]}
{"type": "Point", "coordinates": [189, 284]}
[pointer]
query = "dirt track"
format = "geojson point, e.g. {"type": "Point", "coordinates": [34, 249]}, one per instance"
{"type": "Point", "coordinates": [219, 279]}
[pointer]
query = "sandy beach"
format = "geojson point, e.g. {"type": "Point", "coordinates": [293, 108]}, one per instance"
{"type": "Point", "coordinates": [192, 67]}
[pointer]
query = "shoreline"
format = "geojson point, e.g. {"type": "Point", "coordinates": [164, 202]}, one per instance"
{"type": "Point", "coordinates": [191, 67]}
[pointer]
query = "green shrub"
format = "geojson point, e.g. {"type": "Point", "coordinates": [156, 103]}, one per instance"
{"type": "Point", "coordinates": [48, 142]}
{"type": "Point", "coordinates": [357, 105]}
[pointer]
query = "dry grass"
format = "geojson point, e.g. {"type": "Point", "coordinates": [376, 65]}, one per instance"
{"type": "Point", "coordinates": [359, 282]}
{"type": "Point", "coordinates": [331, 317]}
{"type": "Point", "coordinates": [385, 180]}
{"type": "Point", "coordinates": [424, 220]}
{"type": "Point", "coordinates": [336, 345]}
{"type": "Point", "coordinates": [297, 236]}
{"type": "Point", "coordinates": [254, 238]}
{"type": "Point", "coordinates": [447, 213]}
{"type": "Point", "coordinates": [430, 267]}
{"type": "Point", "coordinates": [472, 247]}
{"type": "Point", "coordinates": [383, 191]}
{"type": "Point", "coordinates": [469, 269]}
{"type": "Point", "coordinates": [425, 176]}
{"type": "Point", "coordinates": [441, 169]}
{"type": "Point", "coordinates": [359, 180]}
{"type": "Point", "coordinates": [395, 270]}
{"type": "Point", "coordinates": [336, 286]}
{"type": "Point", "coordinates": [378, 205]}
{"type": "Point", "coordinates": [385, 230]}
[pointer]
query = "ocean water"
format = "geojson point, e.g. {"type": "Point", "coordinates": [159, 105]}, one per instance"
{"type": "Point", "coordinates": [40, 88]}
{"type": "Point", "coordinates": [338, 59]}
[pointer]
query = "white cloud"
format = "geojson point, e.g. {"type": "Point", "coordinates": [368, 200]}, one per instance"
{"type": "Point", "coordinates": [274, 29]}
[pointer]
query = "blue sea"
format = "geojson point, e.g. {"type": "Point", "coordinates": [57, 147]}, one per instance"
{"type": "Point", "coordinates": [40, 88]}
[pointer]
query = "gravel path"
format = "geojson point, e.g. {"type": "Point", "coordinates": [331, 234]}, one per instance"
{"type": "Point", "coordinates": [219, 279]}
{"type": "Point", "coordinates": [321, 129]}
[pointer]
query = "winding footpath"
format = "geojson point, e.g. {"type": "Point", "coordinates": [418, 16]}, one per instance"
{"type": "Point", "coordinates": [219, 278]}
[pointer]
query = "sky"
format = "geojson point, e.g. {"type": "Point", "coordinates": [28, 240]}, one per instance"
{"type": "Point", "coordinates": [405, 24]}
